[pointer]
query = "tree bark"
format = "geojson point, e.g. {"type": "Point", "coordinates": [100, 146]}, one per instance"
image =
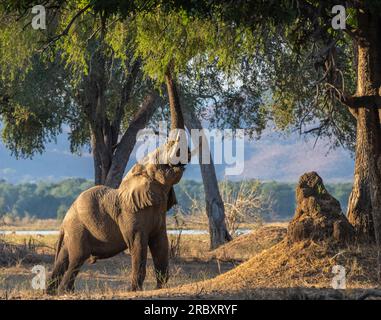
{"type": "Point", "coordinates": [128, 141]}
{"type": "Point", "coordinates": [96, 162]}
{"type": "Point", "coordinates": [214, 205]}
{"type": "Point", "coordinates": [110, 159]}
{"type": "Point", "coordinates": [364, 209]}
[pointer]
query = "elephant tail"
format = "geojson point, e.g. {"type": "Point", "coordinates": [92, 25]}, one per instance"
{"type": "Point", "coordinates": [59, 244]}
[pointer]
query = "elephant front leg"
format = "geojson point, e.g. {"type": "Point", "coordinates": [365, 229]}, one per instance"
{"type": "Point", "coordinates": [159, 251]}
{"type": "Point", "coordinates": [139, 260]}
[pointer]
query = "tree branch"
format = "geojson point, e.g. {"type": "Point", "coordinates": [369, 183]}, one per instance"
{"type": "Point", "coordinates": [369, 102]}
{"type": "Point", "coordinates": [65, 32]}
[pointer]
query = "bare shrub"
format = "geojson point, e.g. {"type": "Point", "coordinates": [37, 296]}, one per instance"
{"type": "Point", "coordinates": [27, 219]}
{"type": "Point", "coordinates": [243, 204]}
{"type": "Point", "coordinates": [8, 219]}
{"type": "Point", "coordinates": [196, 217]}
{"type": "Point", "coordinates": [14, 254]}
{"type": "Point", "coordinates": [175, 243]}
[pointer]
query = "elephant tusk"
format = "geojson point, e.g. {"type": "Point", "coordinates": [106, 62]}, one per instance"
{"type": "Point", "coordinates": [173, 152]}
{"type": "Point", "coordinates": [194, 152]}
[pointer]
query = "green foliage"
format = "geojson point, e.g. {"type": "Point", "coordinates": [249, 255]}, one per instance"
{"type": "Point", "coordinates": [295, 40]}
{"type": "Point", "coordinates": [51, 88]}
{"type": "Point", "coordinates": [174, 39]}
{"type": "Point", "coordinates": [35, 110]}
{"type": "Point", "coordinates": [16, 45]}
{"type": "Point", "coordinates": [42, 200]}
{"type": "Point", "coordinates": [302, 98]}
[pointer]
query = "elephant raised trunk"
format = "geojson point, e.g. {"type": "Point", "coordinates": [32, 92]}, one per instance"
{"type": "Point", "coordinates": [180, 153]}
{"type": "Point", "coordinates": [177, 119]}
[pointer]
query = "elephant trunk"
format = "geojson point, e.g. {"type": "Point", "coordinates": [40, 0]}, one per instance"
{"type": "Point", "coordinates": [177, 119]}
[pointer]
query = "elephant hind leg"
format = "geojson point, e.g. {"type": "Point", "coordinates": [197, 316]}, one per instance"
{"type": "Point", "coordinates": [60, 267]}
{"type": "Point", "coordinates": [67, 283]}
{"type": "Point", "coordinates": [159, 251]}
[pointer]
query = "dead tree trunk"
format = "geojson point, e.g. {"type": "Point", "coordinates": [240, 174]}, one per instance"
{"type": "Point", "coordinates": [214, 205]}
{"type": "Point", "coordinates": [364, 210]}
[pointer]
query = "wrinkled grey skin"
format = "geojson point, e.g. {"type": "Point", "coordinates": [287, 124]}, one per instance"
{"type": "Point", "coordinates": [103, 222]}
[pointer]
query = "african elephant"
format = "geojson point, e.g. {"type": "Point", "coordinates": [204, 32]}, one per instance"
{"type": "Point", "coordinates": [103, 222]}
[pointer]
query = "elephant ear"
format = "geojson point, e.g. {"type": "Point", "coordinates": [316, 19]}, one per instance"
{"type": "Point", "coordinates": [171, 199]}
{"type": "Point", "coordinates": [142, 193]}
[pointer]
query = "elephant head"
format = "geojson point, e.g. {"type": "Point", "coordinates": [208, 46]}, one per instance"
{"type": "Point", "coordinates": [164, 167]}
{"type": "Point", "coordinates": [151, 181]}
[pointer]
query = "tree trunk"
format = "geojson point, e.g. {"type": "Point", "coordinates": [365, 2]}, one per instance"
{"type": "Point", "coordinates": [214, 205]}
{"type": "Point", "coordinates": [110, 152]}
{"type": "Point", "coordinates": [110, 160]}
{"type": "Point", "coordinates": [126, 145]}
{"type": "Point", "coordinates": [360, 206]}
{"type": "Point", "coordinates": [364, 209]}
{"type": "Point", "coordinates": [96, 162]}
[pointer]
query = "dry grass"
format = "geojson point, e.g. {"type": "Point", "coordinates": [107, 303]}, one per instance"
{"type": "Point", "coordinates": [107, 278]}
{"type": "Point", "coordinates": [246, 246]}
{"type": "Point", "coordinates": [27, 251]}
{"type": "Point", "coordinates": [197, 221]}
{"type": "Point", "coordinates": [301, 270]}
{"type": "Point", "coordinates": [30, 224]}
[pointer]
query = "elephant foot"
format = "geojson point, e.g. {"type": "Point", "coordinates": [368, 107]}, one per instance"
{"type": "Point", "coordinates": [51, 291]}
{"type": "Point", "coordinates": [52, 288]}
{"type": "Point", "coordinates": [62, 292]}
{"type": "Point", "coordinates": [136, 288]}
{"type": "Point", "coordinates": [159, 286]}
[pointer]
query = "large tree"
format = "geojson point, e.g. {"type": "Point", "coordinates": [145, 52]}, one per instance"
{"type": "Point", "coordinates": [100, 95]}
{"type": "Point", "coordinates": [94, 51]}
{"type": "Point", "coordinates": [335, 55]}
{"type": "Point", "coordinates": [311, 84]}
{"type": "Point", "coordinates": [201, 60]}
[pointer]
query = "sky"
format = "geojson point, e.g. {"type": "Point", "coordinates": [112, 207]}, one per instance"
{"type": "Point", "coordinates": [273, 157]}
